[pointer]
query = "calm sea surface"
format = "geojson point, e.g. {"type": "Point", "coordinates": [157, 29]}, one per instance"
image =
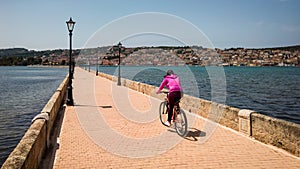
{"type": "Point", "coordinates": [274, 91]}
{"type": "Point", "coordinates": [24, 92]}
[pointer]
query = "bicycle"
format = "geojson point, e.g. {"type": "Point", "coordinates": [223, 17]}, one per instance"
{"type": "Point", "coordinates": [179, 116]}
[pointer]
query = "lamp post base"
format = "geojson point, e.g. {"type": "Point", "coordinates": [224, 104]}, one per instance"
{"type": "Point", "coordinates": [70, 101]}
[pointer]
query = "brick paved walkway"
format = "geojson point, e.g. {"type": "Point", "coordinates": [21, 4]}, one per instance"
{"type": "Point", "coordinates": [114, 127]}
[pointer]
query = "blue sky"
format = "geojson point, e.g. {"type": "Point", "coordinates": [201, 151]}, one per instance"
{"type": "Point", "coordinates": [40, 25]}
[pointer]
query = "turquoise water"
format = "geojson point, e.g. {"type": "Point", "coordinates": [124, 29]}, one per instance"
{"type": "Point", "coordinates": [24, 92]}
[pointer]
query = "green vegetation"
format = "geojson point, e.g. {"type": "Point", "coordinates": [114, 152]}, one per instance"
{"type": "Point", "coordinates": [24, 57]}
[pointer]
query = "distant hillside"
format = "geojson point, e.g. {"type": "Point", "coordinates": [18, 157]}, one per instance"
{"type": "Point", "coordinates": [25, 52]}
{"type": "Point", "coordinates": [22, 52]}
{"type": "Point", "coordinates": [275, 56]}
{"type": "Point", "coordinates": [23, 57]}
{"type": "Point", "coordinates": [287, 48]}
{"type": "Point", "coordinates": [13, 51]}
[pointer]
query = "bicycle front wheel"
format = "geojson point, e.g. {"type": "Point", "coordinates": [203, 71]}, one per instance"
{"type": "Point", "coordinates": [181, 123]}
{"type": "Point", "coordinates": [163, 112]}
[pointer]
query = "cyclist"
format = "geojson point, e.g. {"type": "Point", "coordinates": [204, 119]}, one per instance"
{"type": "Point", "coordinates": [172, 82]}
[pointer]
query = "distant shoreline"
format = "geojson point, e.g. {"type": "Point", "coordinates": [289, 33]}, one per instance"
{"type": "Point", "coordinates": [161, 55]}
{"type": "Point", "coordinates": [46, 66]}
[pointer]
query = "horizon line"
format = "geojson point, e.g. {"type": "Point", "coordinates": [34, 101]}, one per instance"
{"type": "Point", "coordinates": [223, 48]}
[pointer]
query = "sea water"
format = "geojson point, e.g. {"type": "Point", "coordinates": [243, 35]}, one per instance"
{"type": "Point", "coordinates": [24, 92]}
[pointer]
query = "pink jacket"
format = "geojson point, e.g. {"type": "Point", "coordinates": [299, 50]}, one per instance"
{"type": "Point", "coordinates": [172, 82]}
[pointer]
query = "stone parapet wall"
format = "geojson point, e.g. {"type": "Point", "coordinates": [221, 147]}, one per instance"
{"type": "Point", "coordinates": [30, 149]}
{"type": "Point", "coordinates": [279, 133]}
{"type": "Point", "coordinates": [35, 142]}
{"type": "Point", "coordinates": [54, 105]}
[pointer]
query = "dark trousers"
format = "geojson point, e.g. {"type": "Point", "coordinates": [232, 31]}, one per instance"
{"type": "Point", "coordinates": [173, 98]}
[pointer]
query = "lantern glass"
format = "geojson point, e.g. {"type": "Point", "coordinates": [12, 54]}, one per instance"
{"type": "Point", "coordinates": [70, 25]}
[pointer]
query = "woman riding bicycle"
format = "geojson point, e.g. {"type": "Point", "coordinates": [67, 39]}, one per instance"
{"type": "Point", "coordinates": [172, 82]}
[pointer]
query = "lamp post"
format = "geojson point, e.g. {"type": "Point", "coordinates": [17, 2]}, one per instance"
{"type": "Point", "coordinates": [119, 73]}
{"type": "Point", "coordinates": [70, 101]}
{"type": "Point", "coordinates": [73, 67]}
{"type": "Point", "coordinates": [97, 66]}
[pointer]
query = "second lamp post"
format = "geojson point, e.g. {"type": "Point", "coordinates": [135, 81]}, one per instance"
{"type": "Point", "coordinates": [70, 101]}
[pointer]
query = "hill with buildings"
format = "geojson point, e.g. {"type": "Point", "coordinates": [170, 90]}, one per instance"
{"type": "Point", "coordinates": [161, 55]}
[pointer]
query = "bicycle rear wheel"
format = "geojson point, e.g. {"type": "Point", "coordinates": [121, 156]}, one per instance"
{"type": "Point", "coordinates": [163, 112]}
{"type": "Point", "coordinates": [181, 124]}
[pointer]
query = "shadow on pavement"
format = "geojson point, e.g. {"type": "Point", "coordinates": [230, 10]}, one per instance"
{"type": "Point", "coordinates": [47, 161]}
{"type": "Point", "coordinates": [194, 133]}
{"type": "Point", "coordinates": [104, 107]}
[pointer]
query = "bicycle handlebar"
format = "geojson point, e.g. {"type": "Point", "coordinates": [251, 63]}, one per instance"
{"type": "Point", "coordinates": [165, 91]}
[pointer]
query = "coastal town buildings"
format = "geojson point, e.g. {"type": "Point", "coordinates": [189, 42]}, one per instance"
{"type": "Point", "coordinates": [164, 55]}
{"type": "Point", "coordinates": [205, 56]}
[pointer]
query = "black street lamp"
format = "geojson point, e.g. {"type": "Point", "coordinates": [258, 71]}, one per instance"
{"type": "Point", "coordinates": [119, 74]}
{"type": "Point", "coordinates": [70, 101]}
{"type": "Point", "coordinates": [97, 66]}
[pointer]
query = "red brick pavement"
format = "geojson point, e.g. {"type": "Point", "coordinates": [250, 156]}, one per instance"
{"type": "Point", "coordinates": [98, 132]}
